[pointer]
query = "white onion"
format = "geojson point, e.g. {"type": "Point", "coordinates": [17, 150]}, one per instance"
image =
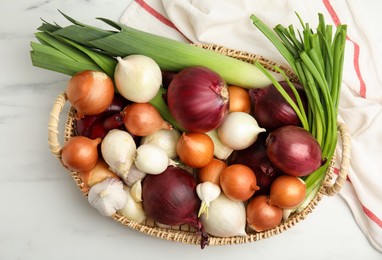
{"type": "Point", "coordinates": [226, 217]}
{"type": "Point", "coordinates": [221, 151]}
{"type": "Point", "coordinates": [118, 150]}
{"type": "Point", "coordinates": [151, 159]}
{"type": "Point", "coordinates": [165, 139]}
{"type": "Point", "coordinates": [137, 78]}
{"type": "Point", "coordinates": [239, 130]}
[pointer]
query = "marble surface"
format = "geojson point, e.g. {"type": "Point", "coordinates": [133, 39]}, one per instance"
{"type": "Point", "coordinates": [42, 213]}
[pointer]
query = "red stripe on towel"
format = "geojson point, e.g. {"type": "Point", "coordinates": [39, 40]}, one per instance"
{"type": "Point", "coordinates": [336, 20]}
{"type": "Point", "coordinates": [159, 16]}
{"type": "Point", "coordinates": [372, 216]}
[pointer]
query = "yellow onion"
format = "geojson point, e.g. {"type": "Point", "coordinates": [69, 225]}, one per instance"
{"type": "Point", "coordinates": [80, 154]}
{"type": "Point", "coordinates": [287, 192]}
{"type": "Point", "coordinates": [90, 92]}
{"type": "Point", "coordinates": [261, 215]}
{"type": "Point", "coordinates": [239, 99]}
{"type": "Point", "coordinates": [212, 171]}
{"type": "Point", "coordinates": [195, 149]}
{"type": "Point", "coordinates": [142, 119]}
{"type": "Point", "coordinates": [238, 182]}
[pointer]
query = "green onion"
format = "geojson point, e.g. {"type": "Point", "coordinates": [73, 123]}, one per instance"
{"type": "Point", "coordinates": [317, 60]}
{"type": "Point", "coordinates": [92, 47]}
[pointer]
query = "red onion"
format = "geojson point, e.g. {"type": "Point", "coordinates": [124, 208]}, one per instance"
{"type": "Point", "coordinates": [270, 108]}
{"type": "Point", "coordinates": [94, 126]}
{"type": "Point", "coordinates": [170, 198]}
{"type": "Point", "coordinates": [255, 157]}
{"type": "Point", "coordinates": [198, 99]}
{"type": "Point", "coordinates": [294, 150]}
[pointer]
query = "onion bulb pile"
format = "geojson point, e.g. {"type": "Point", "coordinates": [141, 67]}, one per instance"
{"type": "Point", "coordinates": [243, 161]}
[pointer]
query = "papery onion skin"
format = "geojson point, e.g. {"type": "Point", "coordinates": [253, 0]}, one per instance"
{"type": "Point", "coordinates": [294, 151]}
{"type": "Point", "coordinates": [142, 119]}
{"type": "Point", "coordinates": [238, 182]}
{"type": "Point", "coordinates": [198, 99]}
{"type": "Point", "coordinates": [80, 154]}
{"type": "Point", "coordinates": [287, 192]}
{"type": "Point", "coordinates": [270, 108]}
{"type": "Point", "coordinates": [195, 149]}
{"type": "Point", "coordinates": [261, 216]}
{"type": "Point", "coordinates": [255, 157]}
{"type": "Point", "coordinates": [90, 92]}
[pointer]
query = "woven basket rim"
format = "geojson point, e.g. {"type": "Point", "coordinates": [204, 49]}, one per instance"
{"type": "Point", "coordinates": [186, 234]}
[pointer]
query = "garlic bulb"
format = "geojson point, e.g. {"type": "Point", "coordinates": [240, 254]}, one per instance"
{"type": "Point", "coordinates": [108, 196]}
{"type": "Point", "coordinates": [165, 139]}
{"type": "Point", "coordinates": [133, 210]}
{"type": "Point", "coordinates": [118, 149]}
{"type": "Point", "coordinates": [221, 151]}
{"type": "Point", "coordinates": [225, 217]}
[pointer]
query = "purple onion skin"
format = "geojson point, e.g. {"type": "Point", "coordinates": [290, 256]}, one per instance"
{"type": "Point", "coordinates": [170, 198]}
{"type": "Point", "coordinates": [271, 110]}
{"type": "Point", "coordinates": [255, 157]}
{"type": "Point", "coordinates": [198, 99]}
{"type": "Point", "coordinates": [294, 151]}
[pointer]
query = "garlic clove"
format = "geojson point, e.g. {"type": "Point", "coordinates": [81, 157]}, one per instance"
{"type": "Point", "coordinates": [133, 210]}
{"type": "Point", "coordinates": [136, 191]}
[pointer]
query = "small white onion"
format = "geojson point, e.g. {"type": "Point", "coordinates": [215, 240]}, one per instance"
{"type": "Point", "coordinates": [165, 139]}
{"type": "Point", "coordinates": [151, 159]}
{"type": "Point", "coordinates": [137, 78]}
{"type": "Point", "coordinates": [239, 130]}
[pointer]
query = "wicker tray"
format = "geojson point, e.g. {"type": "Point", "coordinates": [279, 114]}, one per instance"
{"type": "Point", "coordinates": [185, 233]}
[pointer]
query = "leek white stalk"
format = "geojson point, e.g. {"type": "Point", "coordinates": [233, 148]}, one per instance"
{"type": "Point", "coordinates": [221, 151]}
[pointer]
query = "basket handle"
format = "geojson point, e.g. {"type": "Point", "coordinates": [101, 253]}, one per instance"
{"type": "Point", "coordinates": [332, 189]}
{"type": "Point", "coordinates": [54, 118]}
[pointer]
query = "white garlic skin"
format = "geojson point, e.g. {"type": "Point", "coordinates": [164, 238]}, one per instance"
{"type": "Point", "coordinates": [108, 196]}
{"type": "Point", "coordinates": [226, 217]}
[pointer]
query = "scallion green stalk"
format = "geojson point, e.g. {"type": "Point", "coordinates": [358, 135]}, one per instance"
{"type": "Point", "coordinates": [317, 60]}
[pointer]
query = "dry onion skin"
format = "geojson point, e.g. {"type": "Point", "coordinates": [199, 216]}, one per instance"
{"type": "Point", "coordinates": [80, 154]}
{"type": "Point", "coordinates": [238, 182]}
{"type": "Point", "coordinates": [239, 99]}
{"type": "Point", "coordinates": [90, 92]}
{"type": "Point", "coordinates": [287, 192]}
{"type": "Point", "coordinates": [195, 149]}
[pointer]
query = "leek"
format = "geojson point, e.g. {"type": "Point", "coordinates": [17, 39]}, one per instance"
{"type": "Point", "coordinates": [317, 60]}
{"type": "Point", "coordinates": [91, 47]}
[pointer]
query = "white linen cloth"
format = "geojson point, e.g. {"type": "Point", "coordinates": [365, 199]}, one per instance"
{"type": "Point", "coordinates": [227, 23]}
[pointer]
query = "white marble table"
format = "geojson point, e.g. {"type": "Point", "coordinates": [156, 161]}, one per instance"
{"type": "Point", "coordinates": [42, 213]}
